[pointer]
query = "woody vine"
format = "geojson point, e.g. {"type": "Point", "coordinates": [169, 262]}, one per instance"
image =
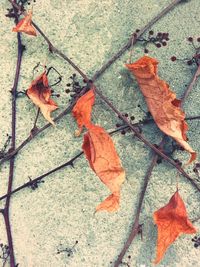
{"type": "Point", "coordinates": [83, 98]}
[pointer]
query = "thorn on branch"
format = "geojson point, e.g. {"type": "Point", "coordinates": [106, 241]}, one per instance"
{"type": "Point", "coordinates": [34, 184]}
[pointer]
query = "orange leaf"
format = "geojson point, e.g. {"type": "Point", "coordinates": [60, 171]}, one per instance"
{"type": "Point", "coordinates": [161, 101]}
{"type": "Point", "coordinates": [39, 92]}
{"type": "Point", "coordinates": [172, 221]}
{"type": "Point", "coordinates": [82, 110]}
{"type": "Point", "coordinates": [25, 25]}
{"type": "Point", "coordinates": [103, 159]}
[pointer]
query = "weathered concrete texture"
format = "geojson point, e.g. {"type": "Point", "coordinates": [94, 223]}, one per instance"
{"type": "Point", "coordinates": [61, 211]}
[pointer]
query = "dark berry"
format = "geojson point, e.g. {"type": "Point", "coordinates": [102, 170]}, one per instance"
{"type": "Point", "coordinates": [164, 43]}
{"type": "Point", "coordinates": [198, 39]}
{"type": "Point", "coordinates": [173, 58]}
{"type": "Point", "coordinates": [126, 115]}
{"type": "Point", "coordinates": [67, 91]}
{"type": "Point", "coordinates": [74, 74]}
{"type": "Point", "coordinates": [146, 51]}
{"type": "Point", "coordinates": [159, 34]}
{"type": "Point", "coordinates": [158, 45]}
{"type": "Point", "coordinates": [118, 125]}
{"type": "Point", "coordinates": [196, 245]}
{"type": "Point", "coordinates": [190, 39]}
{"type": "Point", "coordinates": [123, 132]}
{"type": "Point", "coordinates": [137, 30]}
{"type": "Point", "coordinates": [52, 91]}
{"type": "Point", "coordinates": [151, 32]}
{"type": "Point", "coordinates": [68, 84]}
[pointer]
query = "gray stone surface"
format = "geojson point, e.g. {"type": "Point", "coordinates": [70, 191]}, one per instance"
{"type": "Point", "coordinates": [61, 210]}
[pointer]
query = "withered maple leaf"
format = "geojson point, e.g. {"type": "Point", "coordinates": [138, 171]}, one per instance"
{"type": "Point", "coordinates": [100, 151]}
{"type": "Point", "coordinates": [39, 92]}
{"type": "Point", "coordinates": [25, 25]}
{"type": "Point", "coordinates": [161, 101]}
{"type": "Point", "coordinates": [83, 109]}
{"type": "Point", "coordinates": [172, 221]}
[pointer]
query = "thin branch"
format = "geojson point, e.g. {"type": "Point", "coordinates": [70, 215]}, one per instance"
{"type": "Point", "coordinates": [191, 84]}
{"type": "Point", "coordinates": [6, 209]}
{"type": "Point", "coordinates": [136, 226]}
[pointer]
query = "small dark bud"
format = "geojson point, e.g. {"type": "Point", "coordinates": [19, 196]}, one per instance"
{"type": "Point", "coordinates": [151, 32]}
{"type": "Point", "coordinates": [198, 39]}
{"type": "Point", "coordinates": [190, 39]}
{"type": "Point", "coordinates": [123, 132]}
{"type": "Point", "coordinates": [137, 30]}
{"type": "Point", "coordinates": [146, 51]}
{"type": "Point", "coordinates": [173, 58]}
{"type": "Point", "coordinates": [164, 43]}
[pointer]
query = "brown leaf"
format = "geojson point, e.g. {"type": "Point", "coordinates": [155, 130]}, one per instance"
{"type": "Point", "coordinates": [161, 101]}
{"type": "Point", "coordinates": [25, 25]}
{"type": "Point", "coordinates": [100, 151]}
{"type": "Point", "coordinates": [83, 109]}
{"type": "Point", "coordinates": [39, 92]}
{"type": "Point", "coordinates": [172, 221]}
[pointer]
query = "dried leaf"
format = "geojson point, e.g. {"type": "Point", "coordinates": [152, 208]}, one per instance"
{"type": "Point", "coordinates": [100, 151]}
{"type": "Point", "coordinates": [172, 221]}
{"type": "Point", "coordinates": [82, 110]}
{"type": "Point", "coordinates": [25, 25]}
{"type": "Point", "coordinates": [161, 101]}
{"type": "Point", "coordinates": [39, 92]}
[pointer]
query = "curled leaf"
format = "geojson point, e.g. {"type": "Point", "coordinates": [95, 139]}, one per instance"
{"type": "Point", "coordinates": [161, 101]}
{"type": "Point", "coordinates": [100, 151]}
{"type": "Point", "coordinates": [172, 221]}
{"type": "Point", "coordinates": [25, 25]}
{"type": "Point", "coordinates": [83, 109]}
{"type": "Point", "coordinates": [39, 92]}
